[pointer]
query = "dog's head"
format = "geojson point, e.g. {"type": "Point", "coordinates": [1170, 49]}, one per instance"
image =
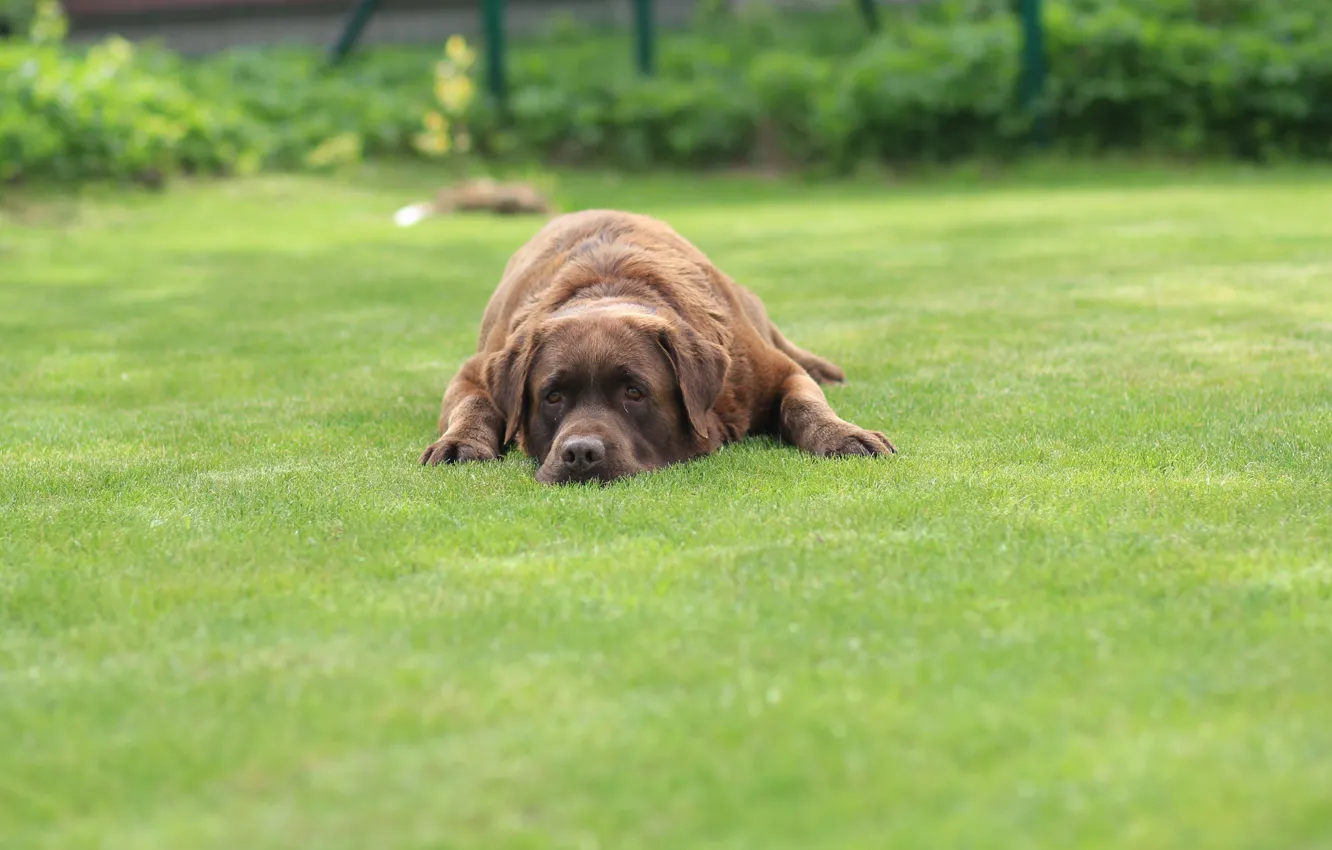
{"type": "Point", "coordinates": [607, 390]}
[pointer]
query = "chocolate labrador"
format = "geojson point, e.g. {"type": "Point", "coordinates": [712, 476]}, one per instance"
{"type": "Point", "coordinates": [613, 346]}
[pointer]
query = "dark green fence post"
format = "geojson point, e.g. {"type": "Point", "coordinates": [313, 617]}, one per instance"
{"type": "Point", "coordinates": [1033, 68]}
{"type": "Point", "coordinates": [645, 36]}
{"type": "Point", "coordinates": [869, 10]}
{"type": "Point", "coordinates": [492, 13]}
{"type": "Point", "coordinates": [351, 31]}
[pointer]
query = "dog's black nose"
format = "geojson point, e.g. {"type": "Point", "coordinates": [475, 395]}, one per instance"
{"type": "Point", "coordinates": [581, 454]}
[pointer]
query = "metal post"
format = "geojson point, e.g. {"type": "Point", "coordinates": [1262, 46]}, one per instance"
{"type": "Point", "coordinates": [645, 37]}
{"type": "Point", "coordinates": [492, 13]}
{"type": "Point", "coordinates": [869, 10]}
{"type": "Point", "coordinates": [351, 31]}
{"type": "Point", "coordinates": [1033, 68]}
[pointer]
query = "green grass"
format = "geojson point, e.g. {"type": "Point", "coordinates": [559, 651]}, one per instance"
{"type": "Point", "coordinates": [1089, 605]}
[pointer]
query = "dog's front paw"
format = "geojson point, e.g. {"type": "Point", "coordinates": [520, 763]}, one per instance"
{"type": "Point", "coordinates": [451, 450]}
{"type": "Point", "coordinates": [848, 440]}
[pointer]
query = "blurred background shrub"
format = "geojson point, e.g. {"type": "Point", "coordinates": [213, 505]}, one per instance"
{"type": "Point", "coordinates": [1216, 78]}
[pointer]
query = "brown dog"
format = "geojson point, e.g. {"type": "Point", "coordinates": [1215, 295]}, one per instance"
{"type": "Point", "coordinates": [613, 346]}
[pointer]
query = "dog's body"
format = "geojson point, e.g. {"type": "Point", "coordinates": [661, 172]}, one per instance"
{"type": "Point", "coordinates": [612, 346]}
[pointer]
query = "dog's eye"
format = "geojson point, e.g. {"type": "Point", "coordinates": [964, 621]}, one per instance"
{"type": "Point", "coordinates": [634, 394]}
{"type": "Point", "coordinates": [553, 397]}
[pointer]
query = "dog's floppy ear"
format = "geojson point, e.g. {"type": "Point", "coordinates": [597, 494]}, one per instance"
{"type": "Point", "coordinates": [506, 381]}
{"type": "Point", "coordinates": [700, 367]}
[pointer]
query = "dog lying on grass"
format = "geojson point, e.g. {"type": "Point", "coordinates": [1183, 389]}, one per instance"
{"type": "Point", "coordinates": [613, 346]}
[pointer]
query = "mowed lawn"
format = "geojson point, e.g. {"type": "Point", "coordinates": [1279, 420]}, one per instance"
{"type": "Point", "coordinates": [1089, 605]}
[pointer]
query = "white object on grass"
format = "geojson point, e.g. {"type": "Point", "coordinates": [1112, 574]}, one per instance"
{"type": "Point", "coordinates": [413, 214]}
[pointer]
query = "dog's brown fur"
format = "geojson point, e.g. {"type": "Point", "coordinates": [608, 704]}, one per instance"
{"type": "Point", "coordinates": [612, 346]}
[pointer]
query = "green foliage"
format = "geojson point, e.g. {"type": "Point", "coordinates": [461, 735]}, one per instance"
{"type": "Point", "coordinates": [1126, 79]}
{"type": "Point", "coordinates": [297, 104]}
{"type": "Point", "coordinates": [38, 21]}
{"type": "Point", "coordinates": [1206, 77]}
{"type": "Point", "coordinates": [932, 92]}
{"type": "Point", "coordinates": [17, 15]}
{"type": "Point", "coordinates": [791, 92]}
{"type": "Point", "coordinates": [112, 110]}
{"type": "Point", "coordinates": [1235, 78]}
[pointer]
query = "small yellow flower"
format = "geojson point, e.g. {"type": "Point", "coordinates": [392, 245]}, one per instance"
{"type": "Point", "coordinates": [457, 51]}
{"type": "Point", "coordinates": [432, 144]}
{"type": "Point", "coordinates": [455, 90]}
{"type": "Point", "coordinates": [113, 52]}
{"type": "Point", "coordinates": [118, 50]}
{"type": "Point", "coordinates": [454, 93]}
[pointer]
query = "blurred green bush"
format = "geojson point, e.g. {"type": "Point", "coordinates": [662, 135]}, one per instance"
{"type": "Point", "coordinates": [112, 111]}
{"type": "Point", "coordinates": [1221, 78]}
{"type": "Point", "coordinates": [16, 15]}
